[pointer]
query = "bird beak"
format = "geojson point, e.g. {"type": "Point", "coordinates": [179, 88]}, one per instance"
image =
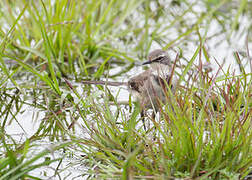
{"type": "Point", "coordinates": [146, 62]}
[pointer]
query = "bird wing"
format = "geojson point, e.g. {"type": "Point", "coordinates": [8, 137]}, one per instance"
{"type": "Point", "coordinates": [138, 82]}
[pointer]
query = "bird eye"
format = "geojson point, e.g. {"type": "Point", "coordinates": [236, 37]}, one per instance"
{"type": "Point", "coordinates": [158, 59]}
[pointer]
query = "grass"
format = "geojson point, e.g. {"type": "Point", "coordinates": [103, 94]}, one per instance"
{"type": "Point", "coordinates": [215, 144]}
{"type": "Point", "coordinates": [47, 48]}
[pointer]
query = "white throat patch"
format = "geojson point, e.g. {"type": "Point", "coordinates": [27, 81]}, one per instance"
{"type": "Point", "coordinates": [160, 70]}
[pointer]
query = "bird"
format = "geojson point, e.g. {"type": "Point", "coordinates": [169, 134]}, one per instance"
{"type": "Point", "coordinates": [149, 88]}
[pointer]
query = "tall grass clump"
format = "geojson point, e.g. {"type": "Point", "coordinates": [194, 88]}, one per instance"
{"type": "Point", "coordinates": [202, 132]}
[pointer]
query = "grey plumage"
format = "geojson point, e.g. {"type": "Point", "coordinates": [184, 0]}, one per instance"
{"type": "Point", "coordinates": [150, 86]}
